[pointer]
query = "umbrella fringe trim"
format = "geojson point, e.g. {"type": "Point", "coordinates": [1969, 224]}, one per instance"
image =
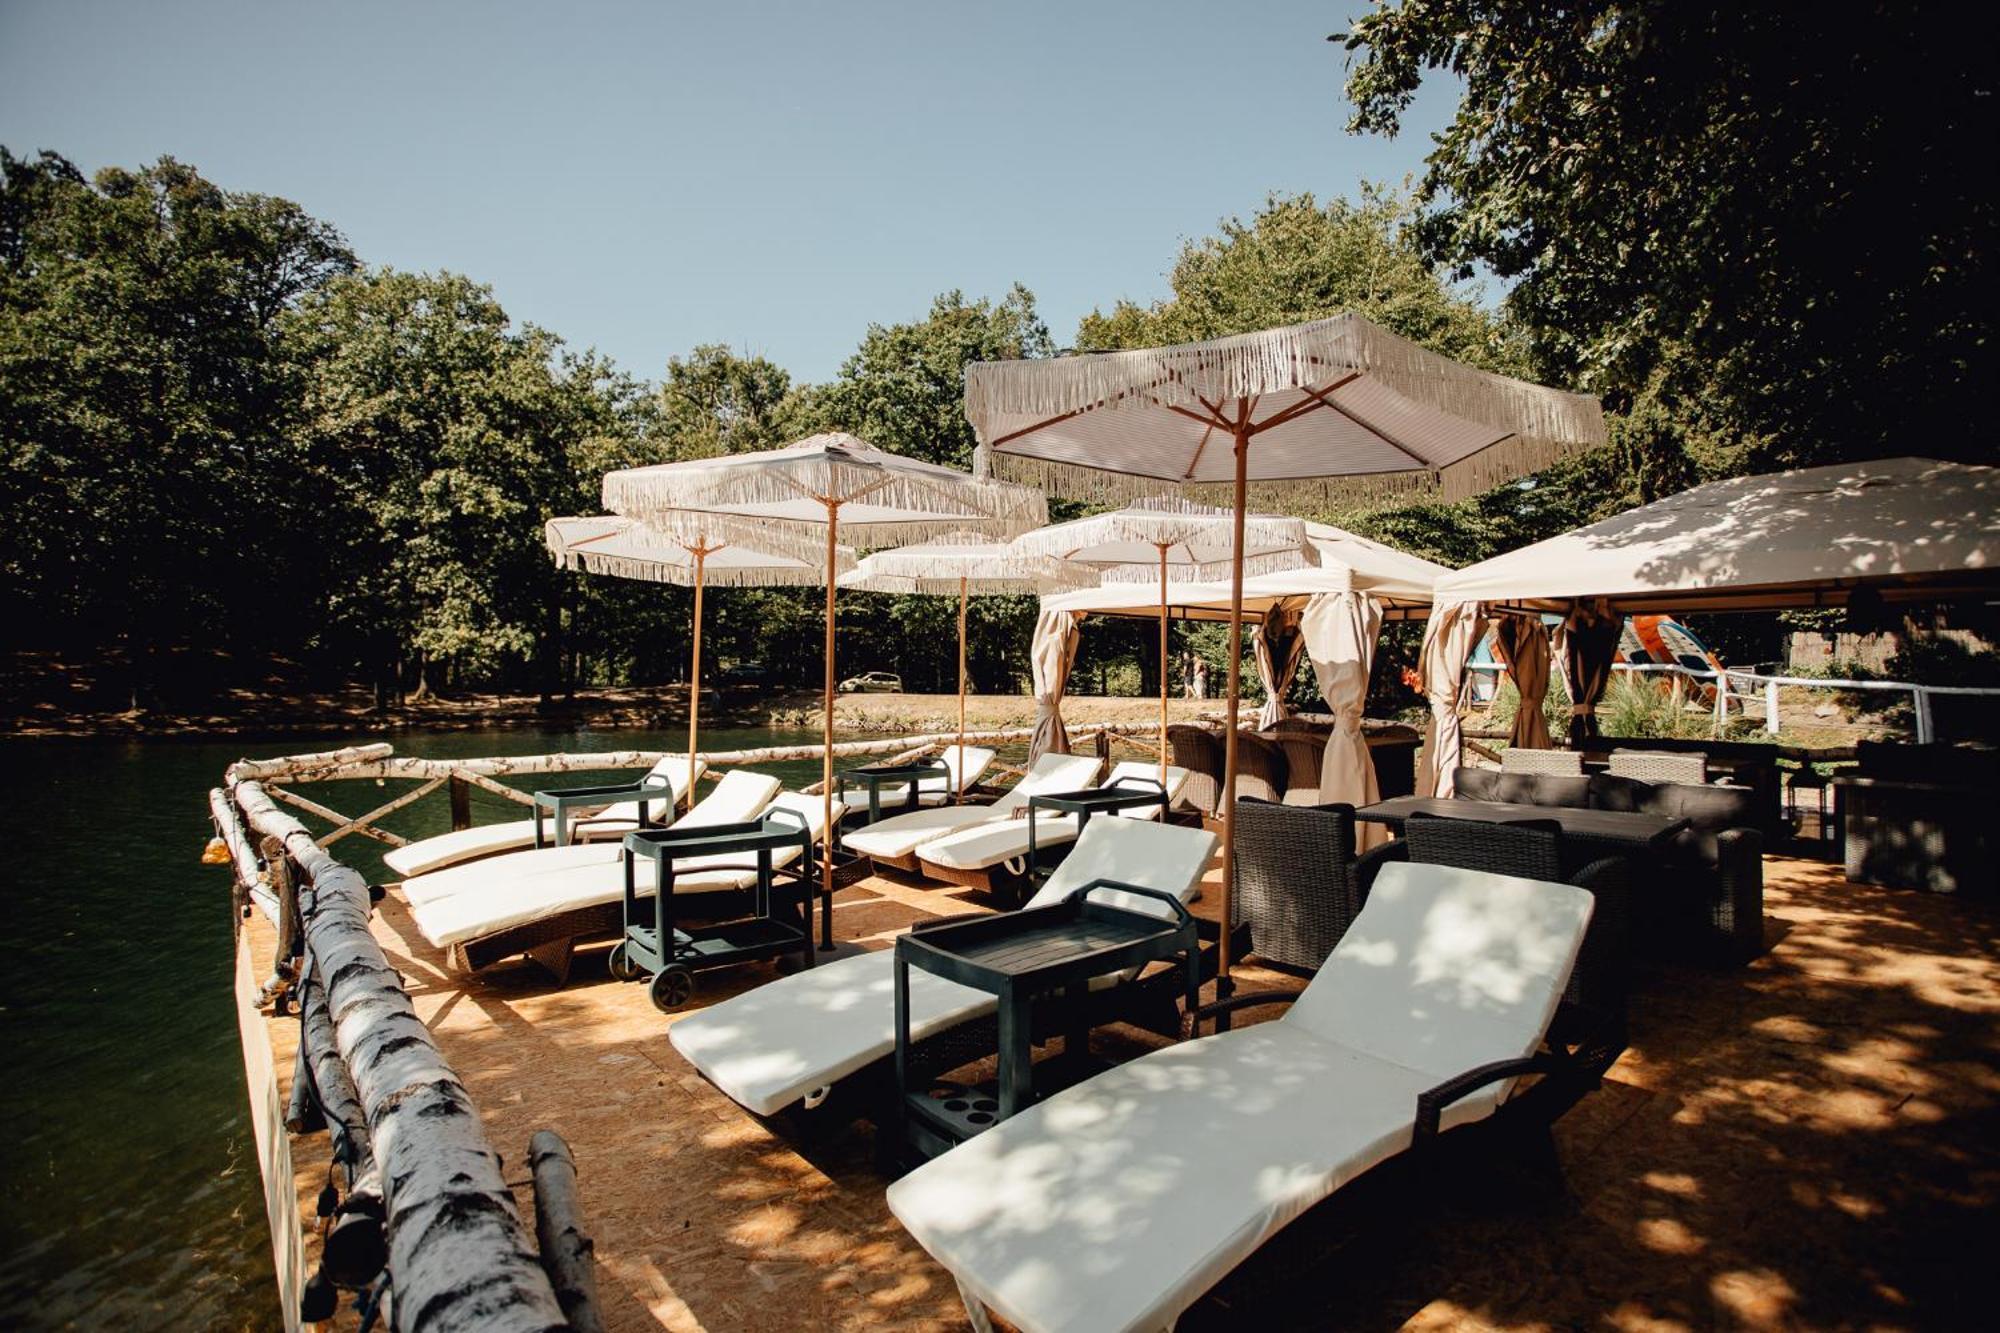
{"type": "Point", "coordinates": [1272, 360]}
{"type": "Point", "coordinates": [1172, 519]}
{"type": "Point", "coordinates": [1496, 465]}
{"type": "Point", "coordinates": [713, 576]}
{"type": "Point", "coordinates": [699, 501]}
{"type": "Point", "coordinates": [1212, 571]}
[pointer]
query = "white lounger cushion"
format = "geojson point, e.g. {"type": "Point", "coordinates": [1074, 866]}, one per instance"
{"type": "Point", "coordinates": [768, 1047]}
{"type": "Point", "coordinates": [740, 795]}
{"type": "Point", "coordinates": [965, 770]}
{"type": "Point", "coordinates": [900, 835]}
{"type": "Point", "coordinates": [1116, 1204]}
{"type": "Point", "coordinates": [534, 896]}
{"type": "Point", "coordinates": [991, 843]}
{"type": "Point", "coordinates": [448, 849]}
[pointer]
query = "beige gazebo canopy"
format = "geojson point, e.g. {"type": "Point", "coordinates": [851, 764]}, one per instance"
{"type": "Point", "coordinates": [1910, 528]}
{"type": "Point", "coordinates": [1907, 529]}
{"type": "Point", "coordinates": [1329, 614]}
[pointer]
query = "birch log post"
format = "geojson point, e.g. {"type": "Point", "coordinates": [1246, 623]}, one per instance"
{"type": "Point", "coordinates": [458, 1252]}
{"type": "Point", "coordinates": [354, 1251]}
{"type": "Point", "coordinates": [568, 1255]}
{"type": "Point", "coordinates": [249, 874]}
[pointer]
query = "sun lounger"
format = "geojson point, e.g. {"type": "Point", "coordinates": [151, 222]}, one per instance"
{"type": "Point", "coordinates": [613, 822]}
{"type": "Point", "coordinates": [740, 795]}
{"type": "Point", "coordinates": [993, 855]}
{"type": "Point", "coordinates": [542, 902]}
{"type": "Point", "coordinates": [894, 841]}
{"type": "Point", "coordinates": [792, 1039]}
{"type": "Point", "coordinates": [964, 773]}
{"type": "Point", "coordinates": [1116, 1203]}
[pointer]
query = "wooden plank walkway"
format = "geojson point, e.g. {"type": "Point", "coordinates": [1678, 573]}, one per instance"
{"type": "Point", "coordinates": [1806, 1142]}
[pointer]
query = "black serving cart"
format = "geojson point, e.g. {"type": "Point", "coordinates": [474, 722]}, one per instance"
{"type": "Point", "coordinates": [672, 956]}
{"type": "Point", "coordinates": [559, 801]}
{"type": "Point", "coordinates": [1046, 956]}
{"type": "Point", "coordinates": [1128, 792]}
{"type": "Point", "coordinates": [877, 776]}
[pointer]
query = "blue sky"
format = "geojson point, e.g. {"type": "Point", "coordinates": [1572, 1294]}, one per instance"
{"type": "Point", "coordinates": [646, 177]}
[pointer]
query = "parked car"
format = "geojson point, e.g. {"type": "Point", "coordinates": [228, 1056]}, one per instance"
{"type": "Point", "coordinates": [745, 676]}
{"type": "Point", "coordinates": [873, 682]}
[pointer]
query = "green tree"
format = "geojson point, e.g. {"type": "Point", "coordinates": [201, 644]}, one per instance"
{"type": "Point", "coordinates": [714, 401]}
{"type": "Point", "coordinates": [904, 387]}
{"type": "Point", "coordinates": [445, 439]}
{"type": "Point", "coordinates": [1295, 260]}
{"type": "Point", "coordinates": [147, 484]}
{"type": "Point", "coordinates": [1767, 230]}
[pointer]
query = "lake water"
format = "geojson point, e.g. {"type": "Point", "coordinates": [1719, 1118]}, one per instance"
{"type": "Point", "coordinates": [128, 1181]}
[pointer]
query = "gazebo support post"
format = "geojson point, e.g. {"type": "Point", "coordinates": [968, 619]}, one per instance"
{"type": "Point", "coordinates": [1163, 646]}
{"type": "Point", "coordinates": [1223, 985]}
{"type": "Point", "coordinates": [958, 787]}
{"type": "Point", "coordinates": [700, 554]}
{"type": "Point", "coordinates": [826, 751]}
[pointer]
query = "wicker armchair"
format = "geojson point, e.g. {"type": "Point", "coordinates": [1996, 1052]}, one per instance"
{"type": "Point", "coordinates": [1920, 817]}
{"type": "Point", "coordinates": [1554, 763]}
{"type": "Point", "coordinates": [1298, 884]}
{"type": "Point", "coordinates": [1303, 752]}
{"type": "Point", "coordinates": [1199, 751]}
{"type": "Point", "coordinates": [1261, 769]}
{"type": "Point", "coordinates": [1534, 849]}
{"type": "Point", "coordinates": [1648, 766]}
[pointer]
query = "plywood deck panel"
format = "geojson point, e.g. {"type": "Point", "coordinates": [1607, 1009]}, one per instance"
{"type": "Point", "coordinates": [1807, 1141]}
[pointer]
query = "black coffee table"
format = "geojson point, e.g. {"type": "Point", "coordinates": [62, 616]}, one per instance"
{"type": "Point", "coordinates": [1040, 956]}
{"type": "Point", "coordinates": [1618, 832]}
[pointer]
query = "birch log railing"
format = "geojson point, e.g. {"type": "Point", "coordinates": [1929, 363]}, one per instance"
{"type": "Point", "coordinates": [420, 1209]}
{"type": "Point", "coordinates": [425, 1202]}
{"type": "Point", "coordinates": [379, 762]}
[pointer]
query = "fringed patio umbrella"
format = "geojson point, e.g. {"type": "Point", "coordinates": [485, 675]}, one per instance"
{"type": "Point", "coordinates": [964, 566]}
{"type": "Point", "coordinates": [627, 549]}
{"type": "Point", "coordinates": [1332, 410]}
{"type": "Point", "coordinates": [1171, 540]}
{"type": "Point", "coordinates": [830, 485]}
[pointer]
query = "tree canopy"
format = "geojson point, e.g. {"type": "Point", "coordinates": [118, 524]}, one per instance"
{"type": "Point", "coordinates": [1764, 231]}
{"type": "Point", "coordinates": [1763, 235]}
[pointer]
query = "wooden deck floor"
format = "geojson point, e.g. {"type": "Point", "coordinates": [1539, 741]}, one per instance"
{"type": "Point", "coordinates": [1807, 1142]}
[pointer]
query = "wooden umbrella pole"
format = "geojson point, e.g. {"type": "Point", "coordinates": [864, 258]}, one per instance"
{"type": "Point", "coordinates": [958, 787]}
{"type": "Point", "coordinates": [1163, 663]}
{"type": "Point", "coordinates": [826, 754]}
{"type": "Point", "coordinates": [700, 554]}
{"type": "Point", "coordinates": [1223, 984]}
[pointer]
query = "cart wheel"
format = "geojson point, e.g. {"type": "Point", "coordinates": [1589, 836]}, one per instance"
{"type": "Point", "coordinates": [672, 988]}
{"type": "Point", "coordinates": [622, 966]}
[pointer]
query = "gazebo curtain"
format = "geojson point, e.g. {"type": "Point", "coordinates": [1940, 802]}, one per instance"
{"type": "Point", "coordinates": [1449, 638]}
{"type": "Point", "coordinates": [1049, 659]}
{"type": "Point", "coordinates": [1588, 641]}
{"type": "Point", "coordinates": [1277, 645]}
{"type": "Point", "coordinates": [1338, 631]}
{"type": "Point", "coordinates": [1522, 645]}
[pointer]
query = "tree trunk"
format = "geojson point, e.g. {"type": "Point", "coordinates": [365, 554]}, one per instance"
{"type": "Point", "coordinates": [456, 1245]}
{"type": "Point", "coordinates": [568, 1254]}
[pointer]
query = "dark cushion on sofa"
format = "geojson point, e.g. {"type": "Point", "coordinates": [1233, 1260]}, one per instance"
{"type": "Point", "coordinates": [1608, 791]}
{"type": "Point", "coordinates": [1709, 811]}
{"type": "Point", "coordinates": [1490, 784]}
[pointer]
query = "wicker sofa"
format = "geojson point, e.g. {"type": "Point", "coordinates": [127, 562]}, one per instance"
{"type": "Point", "coordinates": [1920, 816]}
{"type": "Point", "coordinates": [1709, 890]}
{"type": "Point", "coordinates": [1749, 764]}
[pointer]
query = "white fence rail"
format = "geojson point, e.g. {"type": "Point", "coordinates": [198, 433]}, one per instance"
{"type": "Point", "coordinates": [1745, 686]}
